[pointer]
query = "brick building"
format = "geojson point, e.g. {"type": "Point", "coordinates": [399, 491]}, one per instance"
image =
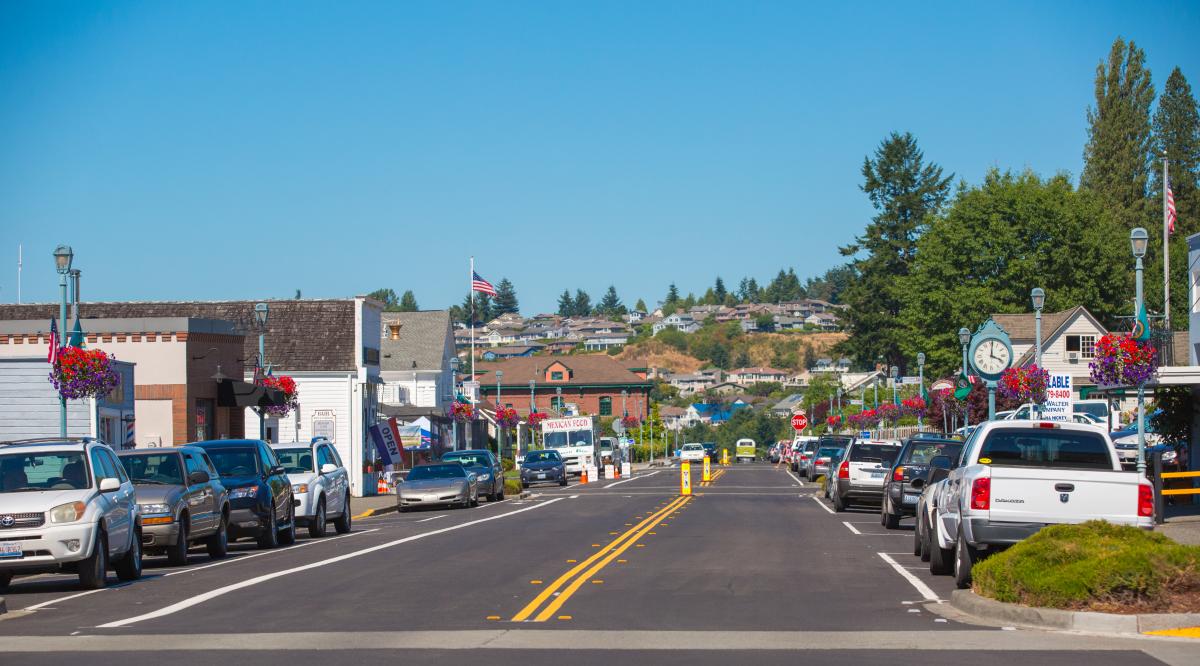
{"type": "Point", "coordinates": [592, 383]}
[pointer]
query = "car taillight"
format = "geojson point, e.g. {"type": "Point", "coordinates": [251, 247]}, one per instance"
{"type": "Point", "coordinates": [898, 473]}
{"type": "Point", "coordinates": [844, 470]}
{"type": "Point", "coordinates": [1145, 500]}
{"type": "Point", "coordinates": [822, 461]}
{"type": "Point", "coordinates": [981, 493]}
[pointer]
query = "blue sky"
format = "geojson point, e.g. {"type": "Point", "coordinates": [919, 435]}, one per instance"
{"type": "Point", "coordinates": [246, 150]}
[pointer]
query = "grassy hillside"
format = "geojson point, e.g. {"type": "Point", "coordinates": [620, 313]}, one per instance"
{"type": "Point", "coordinates": [726, 346]}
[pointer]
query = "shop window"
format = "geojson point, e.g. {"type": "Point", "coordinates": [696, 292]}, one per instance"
{"type": "Point", "coordinates": [606, 406]}
{"type": "Point", "coordinates": [1084, 344]}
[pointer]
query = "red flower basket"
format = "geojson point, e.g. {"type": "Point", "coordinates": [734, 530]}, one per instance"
{"type": "Point", "coordinates": [535, 419]}
{"type": "Point", "coordinates": [1026, 384]}
{"type": "Point", "coordinates": [290, 394]}
{"type": "Point", "coordinates": [507, 417]}
{"type": "Point", "coordinates": [83, 373]}
{"type": "Point", "coordinates": [462, 411]}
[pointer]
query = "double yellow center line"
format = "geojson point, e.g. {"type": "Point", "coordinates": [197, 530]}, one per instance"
{"type": "Point", "coordinates": [713, 478]}
{"type": "Point", "coordinates": [573, 579]}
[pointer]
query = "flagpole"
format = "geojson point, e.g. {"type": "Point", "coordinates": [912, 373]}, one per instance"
{"type": "Point", "coordinates": [471, 287]}
{"type": "Point", "coordinates": [1166, 255]}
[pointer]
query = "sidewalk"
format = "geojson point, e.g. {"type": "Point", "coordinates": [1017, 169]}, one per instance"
{"type": "Point", "coordinates": [1183, 525]}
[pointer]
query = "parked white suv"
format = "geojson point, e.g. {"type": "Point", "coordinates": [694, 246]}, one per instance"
{"type": "Point", "coordinates": [692, 452]}
{"type": "Point", "coordinates": [67, 505]}
{"type": "Point", "coordinates": [320, 484]}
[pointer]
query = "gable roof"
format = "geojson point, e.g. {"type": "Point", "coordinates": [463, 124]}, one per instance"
{"type": "Point", "coordinates": [585, 369]}
{"type": "Point", "coordinates": [302, 335]}
{"type": "Point", "coordinates": [1022, 328]}
{"type": "Point", "coordinates": [422, 344]}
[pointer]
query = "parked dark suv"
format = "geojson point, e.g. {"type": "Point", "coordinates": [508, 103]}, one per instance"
{"type": "Point", "coordinates": [182, 501]}
{"type": "Point", "coordinates": [903, 483]}
{"type": "Point", "coordinates": [260, 495]}
{"type": "Point", "coordinates": [485, 466]}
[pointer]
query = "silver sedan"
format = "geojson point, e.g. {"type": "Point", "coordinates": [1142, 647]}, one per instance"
{"type": "Point", "coordinates": [441, 484]}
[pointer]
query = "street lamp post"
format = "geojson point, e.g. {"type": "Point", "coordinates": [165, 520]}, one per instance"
{"type": "Point", "coordinates": [1138, 238]}
{"type": "Point", "coordinates": [1038, 296]}
{"type": "Point", "coordinates": [839, 397]}
{"type": "Point", "coordinates": [895, 373]}
{"type": "Point", "coordinates": [63, 256]}
{"type": "Point", "coordinates": [964, 338]}
{"type": "Point", "coordinates": [921, 384]}
{"type": "Point", "coordinates": [559, 406]}
{"type": "Point", "coordinates": [499, 430]}
{"type": "Point", "coordinates": [454, 396]}
{"type": "Point", "coordinates": [261, 312]}
{"type": "Point", "coordinates": [532, 409]}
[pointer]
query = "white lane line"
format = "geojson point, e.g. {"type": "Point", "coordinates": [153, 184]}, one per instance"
{"type": "Point", "coordinates": [275, 551]}
{"type": "Point", "coordinates": [922, 588]}
{"type": "Point", "coordinates": [821, 504]}
{"type": "Point", "coordinates": [573, 497]}
{"type": "Point", "coordinates": [221, 591]}
{"type": "Point", "coordinates": [650, 474]}
{"type": "Point", "coordinates": [618, 483]}
{"type": "Point", "coordinates": [61, 599]}
{"type": "Point", "coordinates": [425, 520]}
{"type": "Point", "coordinates": [851, 527]}
{"type": "Point", "coordinates": [795, 478]}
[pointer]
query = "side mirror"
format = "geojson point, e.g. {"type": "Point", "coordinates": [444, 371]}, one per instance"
{"type": "Point", "coordinates": [276, 470]}
{"type": "Point", "coordinates": [110, 485]}
{"type": "Point", "coordinates": [199, 476]}
{"type": "Point", "coordinates": [328, 468]}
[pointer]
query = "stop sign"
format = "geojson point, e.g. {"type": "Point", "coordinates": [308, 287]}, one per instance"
{"type": "Point", "coordinates": [799, 421]}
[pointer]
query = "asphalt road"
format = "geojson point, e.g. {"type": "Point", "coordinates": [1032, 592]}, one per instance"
{"type": "Point", "coordinates": [750, 567]}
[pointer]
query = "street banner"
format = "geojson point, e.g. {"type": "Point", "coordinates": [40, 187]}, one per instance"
{"type": "Point", "coordinates": [1059, 403]}
{"type": "Point", "coordinates": [412, 437]}
{"type": "Point", "coordinates": [387, 441]}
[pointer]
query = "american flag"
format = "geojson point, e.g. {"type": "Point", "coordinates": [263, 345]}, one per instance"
{"type": "Point", "coordinates": [52, 356]}
{"type": "Point", "coordinates": [1170, 210]}
{"type": "Point", "coordinates": [481, 285]}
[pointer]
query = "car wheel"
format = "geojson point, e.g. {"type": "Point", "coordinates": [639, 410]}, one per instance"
{"type": "Point", "coordinates": [524, 486]}
{"type": "Point", "coordinates": [218, 544]}
{"type": "Point", "coordinates": [93, 572]}
{"type": "Point", "coordinates": [287, 536]}
{"type": "Point", "coordinates": [475, 499]}
{"type": "Point", "coordinates": [924, 540]}
{"type": "Point", "coordinates": [316, 528]}
{"type": "Point", "coordinates": [964, 560]}
{"type": "Point", "coordinates": [178, 552]}
{"type": "Point", "coordinates": [838, 504]}
{"type": "Point", "coordinates": [500, 495]}
{"type": "Point", "coordinates": [269, 537]}
{"type": "Point", "coordinates": [940, 559]}
{"type": "Point", "coordinates": [130, 567]}
{"type": "Point", "coordinates": [342, 524]}
{"type": "Point", "coordinates": [563, 480]}
{"type": "Point", "coordinates": [891, 520]}
{"type": "Point", "coordinates": [917, 536]}
{"type": "Point", "coordinates": [5, 579]}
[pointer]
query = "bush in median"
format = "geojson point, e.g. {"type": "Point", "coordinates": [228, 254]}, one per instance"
{"type": "Point", "coordinates": [1095, 566]}
{"type": "Point", "coordinates": [512, 486]}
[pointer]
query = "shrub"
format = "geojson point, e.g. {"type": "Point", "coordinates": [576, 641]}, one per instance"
{"type": "Point", "coordinates": [512, 486]}
{"type": "Point", "coordinates": [1095, 566]}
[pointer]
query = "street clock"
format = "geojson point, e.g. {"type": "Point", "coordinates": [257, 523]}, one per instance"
{"type": "Point", "coordinates": [990, 352]}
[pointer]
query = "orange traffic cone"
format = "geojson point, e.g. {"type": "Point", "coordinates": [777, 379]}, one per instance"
{"type": "Point", "coordinates": [583, 474]}
{"type": "Point", "coordinates": [382, 486]}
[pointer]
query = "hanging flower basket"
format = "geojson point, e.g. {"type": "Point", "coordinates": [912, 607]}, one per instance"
{"type": "Point", "coordinates": [535, 419]}
{"type": "Point", "coordinates": [507, 417]}
{"type": "Point", "coordinates": [914, 406]}
{"type": "Point", "coordinates": [834, 422]}
{"type": "Point", "coordinates": [462, 411]}
{"type": "Point", "coordinates": [83, 373]}
{"type": "Point", "coordinates": [888, 412]}
{"type": "Point", "coordinates": [1027, 384]}
{"type": "Point", "coordinates": [630, 422]}
{"type": "Point", "coordinates": [866, 419]}
{"type": "Point", "coordinates": [291, 396]}
{"type": "Point", "coordinates": [1122, 361]}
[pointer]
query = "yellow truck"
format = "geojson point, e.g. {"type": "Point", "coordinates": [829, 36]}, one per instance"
{"type": "Point", "coordinates": [745, 450]}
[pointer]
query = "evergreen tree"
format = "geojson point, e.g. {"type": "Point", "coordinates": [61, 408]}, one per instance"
{"type": "Point", "coordinates": [583, 304]}
{"type": "Point", "coordinates": [907, 192]}
{"type": "Point", "coordinates": [1116, 158]}
{"type": "Point", "coordinates": [743, 290]}
{"type": "Point", "coordinates": [753, 293]}
{"type": "Point", "coordinates": [483, 309]}
{"type": "Point", "coordinates": [641, 306]}
{"type": "Point", "coordinates": [408, 302]}
{"type": "Point", "coordinates": [671, 300]}
{"type": "Point", "coordinates": [506, 299]}
{"type": "Point", "coordinates": [387, 297]}
{"type": "Point", "coordinates": [719, 290]}
{"type": "Point", "coordinates": [709, 298]}
{"type": "Point", "coordinates": [566, 304]}
{"type": "Point", "coordinates": [742, 360]}
{"type": "Point", "coordinates": [611, 303]}
{"type": "Point", "coordinates": [1177, 135]}
{"type": "Point", "coordinates": [689, 302]}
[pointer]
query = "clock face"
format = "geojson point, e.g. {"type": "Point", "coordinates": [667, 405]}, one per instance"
{"type": "Point", "coordinates": [992, 357]}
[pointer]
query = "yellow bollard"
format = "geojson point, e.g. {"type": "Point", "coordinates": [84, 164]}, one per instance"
{"type": "Point", "coordinates": [725, 456]}
{"type": "Point", "coordinates": [685, 478]}
{"type": "Point", "coordinates": [707, 470]}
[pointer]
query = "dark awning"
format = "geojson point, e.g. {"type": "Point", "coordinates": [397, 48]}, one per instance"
{"type": "Point", "coordinates": [232, 393]}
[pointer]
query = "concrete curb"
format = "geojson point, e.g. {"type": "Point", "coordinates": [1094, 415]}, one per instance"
{"type": "Point", "coordinates": [1053, 618]}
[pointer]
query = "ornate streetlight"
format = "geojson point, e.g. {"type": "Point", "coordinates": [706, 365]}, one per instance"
{"type": "Point", "coordinates": [964, 338]}
{"type": "Point", "coordinates": [1138, 238]}
{"type": "Point", "coordinates": [63, 256]}
{"type": "Point", "coordinates": [1038, 296]}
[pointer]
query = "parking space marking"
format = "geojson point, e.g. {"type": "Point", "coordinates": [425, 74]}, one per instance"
{"type": "Point", "coordinates": [425, 520]}
{"type": "Point", "coordinates": [221, 591]}
{"type": "Point", "coordinates": [821, 504]}
{"type": "Point", "coordinates": [922, 588]}
{"type": "Point", "coordinates": [61, 599]}
{"type": "Point", "coordinates": [289, 549]}
{"type": "Point", "coordinates": [852, 528]}
{"type": "Point", "coordinates": [795, 478]}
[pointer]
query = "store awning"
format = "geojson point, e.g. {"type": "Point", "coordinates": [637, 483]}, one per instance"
{"type": "Point", "coordinates": [233, 393]}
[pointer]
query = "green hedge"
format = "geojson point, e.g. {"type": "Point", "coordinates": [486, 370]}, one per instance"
{"type": "Point", "coordinates": [1096, 566]}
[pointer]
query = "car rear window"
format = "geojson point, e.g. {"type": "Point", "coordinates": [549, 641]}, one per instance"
{"type": "Point", "coordinates": [827, 452]}
{"type": "Point", "coordinates": [235, 461]}
{"type": "Point", "coordinates": [921, 452]}
{"type": "Point", "coordinates": [1043, 447]}
{"type": "Point", "coordinates": [467, 459]}
{"type": "Point", "coordinates": [873, 453]}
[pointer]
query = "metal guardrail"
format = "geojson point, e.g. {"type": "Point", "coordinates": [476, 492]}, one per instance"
{"type": "Point", "coordinates": [1158, 479]}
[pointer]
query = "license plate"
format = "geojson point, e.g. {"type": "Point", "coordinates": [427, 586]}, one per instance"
{"type": "Point", "coordinates": [541, 476]}
{"type": "Point", "coordinates": [11, 549]}
{"type": "Point", "coordinates": [876, 475]}
{"type": "Point", "coordinates": [911, 499]}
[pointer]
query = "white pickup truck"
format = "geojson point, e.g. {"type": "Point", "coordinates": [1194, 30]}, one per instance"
{"type": "Point", "coordinates": [1016, 477]}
